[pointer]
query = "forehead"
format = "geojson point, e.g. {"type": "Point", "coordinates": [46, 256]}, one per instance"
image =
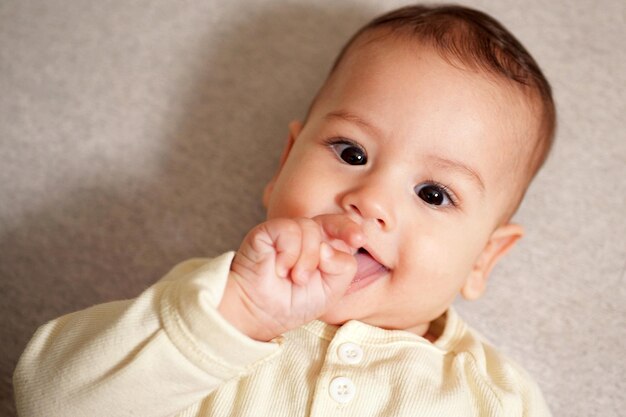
{"type": "Point", "coordinates": [410, 96]}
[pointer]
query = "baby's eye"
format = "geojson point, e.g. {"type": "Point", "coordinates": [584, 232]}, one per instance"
{"type": "Point", "coordinates": [349, 152]}
{"type": "Point", "coordinates": [434, 194]}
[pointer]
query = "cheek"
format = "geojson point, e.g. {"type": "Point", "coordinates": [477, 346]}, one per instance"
{"type": "Point", "coordinates": [299, 193]}
{"type": "Point", "coordinates": [440, 256]}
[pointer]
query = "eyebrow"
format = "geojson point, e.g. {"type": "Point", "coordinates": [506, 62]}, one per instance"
{"type": "Point", "coordinates": [438, 160]}
{"type": "Point", "coordinates": [351, 117]}
{"type": "Point", "coordinates": [459, 167]}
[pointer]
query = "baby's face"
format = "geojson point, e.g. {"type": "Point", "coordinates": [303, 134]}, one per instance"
{"type": "Point", "coordinates": [422, 154]}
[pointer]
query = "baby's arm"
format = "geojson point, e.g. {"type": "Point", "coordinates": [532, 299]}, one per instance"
{"type": "Point", "coordinates": [152, 356]}
{"type": "Point", "coordinates": [169, 348]}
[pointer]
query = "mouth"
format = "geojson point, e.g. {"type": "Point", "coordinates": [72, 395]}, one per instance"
{"type": "Point", "coordinates": [369, 269]}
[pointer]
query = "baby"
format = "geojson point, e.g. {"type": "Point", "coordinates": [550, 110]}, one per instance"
{"type": "Point", "coordinates": [394, 195]}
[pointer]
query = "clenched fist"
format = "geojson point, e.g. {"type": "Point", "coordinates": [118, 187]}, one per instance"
{"type": "Point", "coordinates": [288, 272]}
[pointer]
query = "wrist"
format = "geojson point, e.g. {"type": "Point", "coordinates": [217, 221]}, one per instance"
{"type": "Point", "coordinates": [234, 309]}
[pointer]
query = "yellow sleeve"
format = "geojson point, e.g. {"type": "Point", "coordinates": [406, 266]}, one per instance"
{"type": "Point", "coordinates": [515, 392]}
{"type": "Point", "coordinates": [152, 356]}
{"type": "Point", "coordinates": [532, 403]}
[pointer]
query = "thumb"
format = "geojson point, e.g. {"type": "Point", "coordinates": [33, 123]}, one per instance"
{"type": "Point", "coordinates": [337, 268]}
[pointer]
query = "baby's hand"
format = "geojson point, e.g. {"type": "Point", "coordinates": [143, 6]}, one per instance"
{"type": "Point", "coordinates": [288, 272]}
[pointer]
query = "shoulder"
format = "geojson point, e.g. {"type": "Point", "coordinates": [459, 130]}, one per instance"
{"type": "Point", "coordinates": [497, 376]}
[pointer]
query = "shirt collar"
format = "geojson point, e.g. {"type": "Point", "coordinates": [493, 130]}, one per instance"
{"type": "Point", "coordinates": [449, 326]}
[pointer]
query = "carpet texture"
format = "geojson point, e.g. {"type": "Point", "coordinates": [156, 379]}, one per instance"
{"type": "Point", "coordinates": [134, 135]}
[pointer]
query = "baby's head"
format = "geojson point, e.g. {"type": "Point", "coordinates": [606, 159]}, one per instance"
{"type": "Point", "coordinates": [427, 132]}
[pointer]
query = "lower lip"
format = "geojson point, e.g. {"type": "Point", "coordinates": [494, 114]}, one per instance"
{"type": "Point", "coordinates": [365, 281]}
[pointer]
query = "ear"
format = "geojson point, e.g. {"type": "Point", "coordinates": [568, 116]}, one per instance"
{"type": "Point", "coordinates": [295, 127]}
{"type": "Point", "coordinates": [500, 242]}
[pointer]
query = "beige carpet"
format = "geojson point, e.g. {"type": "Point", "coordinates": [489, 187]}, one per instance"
{"type": "Point", "coordinates": [135, 134]}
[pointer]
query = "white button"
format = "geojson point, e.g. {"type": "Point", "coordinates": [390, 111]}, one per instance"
{"type": "Point", "coordinates": [350, 353]}
{"type": "Point", "coordinates": [342, 389]}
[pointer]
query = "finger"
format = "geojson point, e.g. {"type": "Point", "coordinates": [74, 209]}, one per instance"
{"type": "Point", "coordinates": [286, 236]}
{"type": "Point", "coordinates": [337, 267]}
{"type": "Point", "coordinates": [341, 227]}
{"type": "Point", "coordinates": [309, 251]}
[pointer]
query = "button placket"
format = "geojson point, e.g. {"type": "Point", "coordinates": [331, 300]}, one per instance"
{"type": "Point", "coordinates": [341, 388]}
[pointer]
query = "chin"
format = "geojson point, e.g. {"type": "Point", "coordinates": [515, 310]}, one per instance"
{"type": "Point", "coordinates": [336, 318]}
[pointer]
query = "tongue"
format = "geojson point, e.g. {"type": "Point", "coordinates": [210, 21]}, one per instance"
{"type": "Point", "coordinates": [366, 266]}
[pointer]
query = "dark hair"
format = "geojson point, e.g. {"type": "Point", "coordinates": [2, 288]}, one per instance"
{"type": "Point", "coordinates": [477, 40]}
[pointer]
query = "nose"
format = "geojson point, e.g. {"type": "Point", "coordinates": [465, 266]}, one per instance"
{"type": "Point", "coordinates": [369, 202]}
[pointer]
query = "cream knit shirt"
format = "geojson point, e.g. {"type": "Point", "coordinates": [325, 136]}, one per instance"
{"type": "Point", "coordinates": [169, 353]}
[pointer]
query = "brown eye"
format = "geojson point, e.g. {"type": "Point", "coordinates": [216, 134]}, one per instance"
{"type": "Point", "coordinates": [434, 195]}
{"type": "Point", "coordinates": [353, 156]}
{"type": "Point", "coordinates": [349, 152]}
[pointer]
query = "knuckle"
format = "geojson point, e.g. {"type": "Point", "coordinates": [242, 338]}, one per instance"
{"type": "Point", "coordinates": [311, 231]}
{"type": "Point", "coordinates": [256, 236]}
{"type": "Point", "coordinates": [284, 226]}
{"type": "Point", "coordinates": [257, 230]}
{"type": "Point", "coordinates": [308, 224]}
{"type": "Point", "coordinates": [289, 225]}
